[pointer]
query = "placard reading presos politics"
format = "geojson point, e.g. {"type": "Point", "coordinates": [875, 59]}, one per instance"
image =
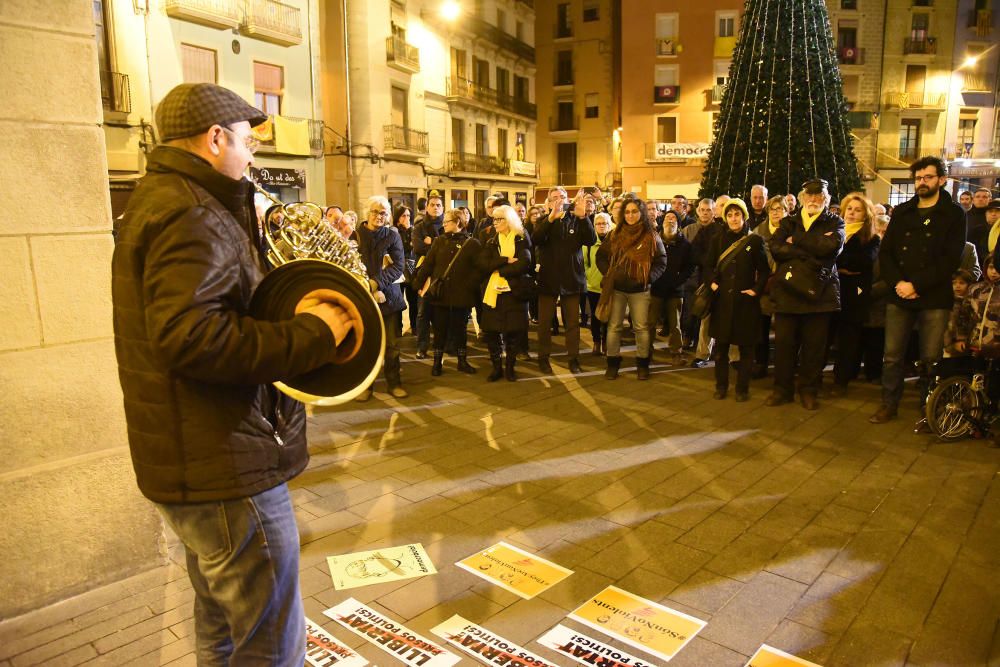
{"type": "Point", "coordinates": [514, 569]}
{"type": "Point", "coordinates": [587, 650]}
{"type": "Point", "coordinates": [768, 656]}
{"type": "Point", "coordinates": [379, 566]}
{"type": "Point", "coordinates": [322, 650]}
{"type": "Point", "coordinates": [396, 640]}
{"type": "Point", "coordinates": [486, 647]}
{"type": "Point", "coordinates": [638, 622]}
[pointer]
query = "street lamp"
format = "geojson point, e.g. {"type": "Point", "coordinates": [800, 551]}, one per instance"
{"type": "Point", "coordinates": [450, 10]}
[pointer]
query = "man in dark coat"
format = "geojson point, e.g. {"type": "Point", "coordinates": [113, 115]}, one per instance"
{"type": "Point", "coordinates": [758, 206]}
{"type": "Point", "coordinates": [920, 252]}
{"type": "Point", "coordinates": [381, 250]}
{"type": "Point", "coordinates": [985, 236]}
{"type": "Point", "coordinates": [559, 238]}
{"type": "Point", "coordinates": [668, 290]}
{"type": "Point", "coordinates": [975, 217]}
{"type": "Point", "coordinates": [213, 443]}
{"type": "Point", "coordinates": [808, 240]}
{"type": "Point", "coordinates": [421, 238]}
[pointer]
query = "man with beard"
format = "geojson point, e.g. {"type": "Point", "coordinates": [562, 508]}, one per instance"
{"type": "Point", "coordinates": [920, 252]}
{"type": "Point", "coordinates": [423, 236]}
{"type": "Point", "coordinates": [965, 200]}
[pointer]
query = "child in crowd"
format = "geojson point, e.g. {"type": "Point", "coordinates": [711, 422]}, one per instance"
{"type": "Point", "coordinates": [960, 284]}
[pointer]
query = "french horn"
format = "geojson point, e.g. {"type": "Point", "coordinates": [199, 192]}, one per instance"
{"type": "Point", "coordinates": [308, 254]}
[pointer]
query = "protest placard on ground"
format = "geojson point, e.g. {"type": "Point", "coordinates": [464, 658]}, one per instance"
{"type": "Point", "coordinates": [514, 569]}
{"type": "Point", "coordinates": [484, 646]}
{"type": "Point", "coordinates": [768, 656]}
{"type": "Point", "coordinates": [587, 650]}
{"type": "Point", "coordinates": [638, 622]}
{"type": "Point", "coordinates": [322, 650]}
{"type": "Point", "coordinates": [379, 566]}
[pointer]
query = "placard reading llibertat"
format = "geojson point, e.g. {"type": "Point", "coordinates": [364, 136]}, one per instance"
{"type": "Point", "coordinates": [401, 643]}
{"type": "Point", "coordinates": [322, 650]}
{"type": "Point", "coordinates": [587, 650]}
{"type": "Point", "coordinates": [514, 569]}
{"type": "Point", "coordinates": [768, 656]}
{"type": "Point", "coordinates": [379, 566]}
{"type": "Point", "coordinates": [638, 622]}
{"type": "Point", "coordinates": [484, 646]}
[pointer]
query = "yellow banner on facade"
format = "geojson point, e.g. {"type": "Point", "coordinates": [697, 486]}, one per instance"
{"type": "Point", "coordinates": [264, 131]}
{"type": "Point", "coordinates": [515, 570]}
{"type": "Point", "coordinates": [638, 622]}
{"type": "Point", "coordinates": [291, 136]}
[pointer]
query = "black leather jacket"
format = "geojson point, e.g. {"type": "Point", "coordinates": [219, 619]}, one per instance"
{"type": "Point", "coordinates": [204, 422]}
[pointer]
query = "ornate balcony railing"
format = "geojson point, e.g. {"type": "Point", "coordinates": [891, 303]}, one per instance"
{"type": "Point", "coordinates": [464, 89]}
{"type": "Point", "coordinates": [268, 143]}
{"type": "Point", "coordinates": [982, 21]}
{"type": "Point", "coordinates": [399, 138]}
{"type": "Point", "coordinates": [221, 14]}
{"type": "Point", "coordinates": [666, 46]}
{"type": "Point", "coordinates": [402, 55]}
{"type": "Point", "coordinates": [904, 155]}
{"type": "Point", "coordinates": [718, 91]}
{"type": "Point", "coordinates": [911, 100]}
{"type": "Point", "coordinates": [494, 34]}
{"type": "Point", "coordinates": [850, 55]}
{"type": "Point", "coordinates": [272, 21]}
{"type": "Point", "coordinates": [115, 92]}
{"type": "Point", "coordinates": [564, 123]}
{"type": "Point", "coordinates": [477, 164]}
{"type": "Point", "coordinates": [925, 46]}
{"type": "Point", "coordinates": [666, 94]}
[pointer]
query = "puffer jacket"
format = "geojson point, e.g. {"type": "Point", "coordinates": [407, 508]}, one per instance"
{"type": "Point", "coordinates": [374, 247]}
{"type": "Point", "coordinates": [204, 422]}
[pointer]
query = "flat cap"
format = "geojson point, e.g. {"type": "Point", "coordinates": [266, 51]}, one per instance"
{"type": "Point", "coordinates": [192, 108]}
{"type": "Point", "coordinates": [994, 204]}
{"type": "Point", "coordinates": [814, 186]}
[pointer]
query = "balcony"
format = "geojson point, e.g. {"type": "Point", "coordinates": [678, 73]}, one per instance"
{"type": "Point", "coordinates": [115, 92]}
{"type": "Point", "coordinates": [850, 55]}
{"type": "Point", "coordinates": [926, 46]}
{"type": "Point", "coordinates": [463, 90]}
{"type": "Point", "coordinates": [471, 163]}
{"type": "Point", "coordinates": [718, 91]}
{"type": "Point", "coordinates": [564, 123]}
{"type": "Point", "coordinates": [908, 100]}
{"type": "Point", "coordinates": [982, 21]}
{"type": "Point", "coordinates": [402, 140]}
{"type": "Point", "coordinates": [221, 14]}
{"type": "Point", "coordinates": [305, 137]}
{"type": "Point", "coordinates": [402, 56]}
{"type": "Point", "coordinates": [493, 34]}
{"type": "Point", "coordinates": [666, 95]}
{"type": "Point", "coordinates": [903, 156]}
{"type": "Point", "coordinates": [562, 31]}
{"type": "Point", "coordinates": [974, 82]}
{"type": "Point", "coordinates": [272, 21]}
{"type": "Point", "coordinates": [666, 46]}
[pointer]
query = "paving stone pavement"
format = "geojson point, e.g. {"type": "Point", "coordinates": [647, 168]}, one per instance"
{"type": "Point", "coordinates": [815, 532]}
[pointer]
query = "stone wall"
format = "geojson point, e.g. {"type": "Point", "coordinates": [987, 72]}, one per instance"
{"type": "Point", "coordinates": [72, 517]}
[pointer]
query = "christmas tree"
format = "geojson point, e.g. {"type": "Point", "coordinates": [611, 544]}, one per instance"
{"type": "Point", "coordinates": [783, 118]}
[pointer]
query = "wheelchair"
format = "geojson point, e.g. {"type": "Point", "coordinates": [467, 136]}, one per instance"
{"type": "Point", "coordinates": [964, 396]}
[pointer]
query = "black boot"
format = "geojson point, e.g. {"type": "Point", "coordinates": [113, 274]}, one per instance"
{"type": "Point", "coordinates": [614, 363]}
{"type": "Point", "coordinates": [642, 367]}
{"type": "Point", "coordinates": [511, 360]}
{"type": "Point", "coordinates": [497, 360]}
{"type": "Point", "coordinates": [436, 368]}
{"type": "Point", "coordinates": [463, 364]}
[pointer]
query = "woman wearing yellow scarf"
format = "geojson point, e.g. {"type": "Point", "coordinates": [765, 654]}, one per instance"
{"type": "Point", "coordinates": [855, 266]}
{"type": "Point", "coordinates": [506, 256]}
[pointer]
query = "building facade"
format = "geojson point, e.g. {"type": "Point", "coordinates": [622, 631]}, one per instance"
{"type": "Point", "coordinates": [579, 142]}
{"type": "Point", "coordinates": [441, 96]}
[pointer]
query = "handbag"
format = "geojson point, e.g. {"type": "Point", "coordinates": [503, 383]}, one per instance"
{"type": "Point", "coordinates": [704, 296]}
{"type": "Point", "coordinates": [803, 278]}
{"type": "Point", "coordinates": [434, 287]}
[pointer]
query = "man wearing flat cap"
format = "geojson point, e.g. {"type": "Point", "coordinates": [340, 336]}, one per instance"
{"type": "Point", "coordinates": [920, 252]}
{"type": "Point", "coordinates": [805, 248]}
{"type": "Point", "coordinates": [213, 443]}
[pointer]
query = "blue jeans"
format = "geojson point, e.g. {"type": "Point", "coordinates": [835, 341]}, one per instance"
{"type": "Point", "coordinates": [638, 308]}
{"type": "Point", "coordinates": [899, 324]}
{"type": "Point", "coordinates": [243, 562]}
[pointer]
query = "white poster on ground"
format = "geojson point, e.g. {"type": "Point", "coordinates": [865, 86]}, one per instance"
{"type": "Point", "coordinates": [486, 647]}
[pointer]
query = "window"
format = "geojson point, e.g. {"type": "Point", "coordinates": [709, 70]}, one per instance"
{"type": "Point", "coordinates": [591, 105]}
{"type": "Point", "coordinates": [268, 87]}
{"type": "Point", "coordinates": [199, 65]}
{"type": "Point", "coordinates": [566, 163]}
{"type": "Point", "coordinates": [482, 139]}
{"type": "Point", "coordinates": [563, 27]}
{"type": "Point", "coordinates": [457, 135]}
{"type": "Point", "coordinates": [848, 4]}
{"type": "Point", "coordinates": [666, 129]}
{"type": "Point", "coordinates": [919, 25]}
{"type": "Point", "coordinates": [102, 29]}
{"type": "Point", "coordinates": [666, 34]}
{"type": "Point", "coordinates": [727, 25]}
{"type": "Point", "coordinates": [502, 143]}
{"type": "Point", "coordinates": [502, 19]}
{"type": "Point", "coordinates": [400, 117]}
{"type": "Point", "coordinates": [520, 146]}
{"type": "Point", "coordinates": [480, 72]}
{"type": "Point", "coordinates": [521, 88]}
{"type": "Point", "coordinates": [909, 139]}
{"type": "Point", "coordinates": [902, 190]}
{"type": "Point", "coordinates": [565, 118]}
{"type": "Point", "coordinates": [459, 60]}
{"type": "Point", "coordinates": [966, 136]}
{"type": "Point", "coordinates": [974, 76]}
{"type": "Point", "coordinates": [847, 34]}
{"type": "Point", "coordinates": [721, 69]}
{"type": "Point", "coordinates": [503, 81]}
{"type": "Point", "coordinates": [519, 30]}
{"type": "Point", "coordinates": [852, 86]}
{"type": "Point", "coordinates": [591, 11]}
{"type": "Point", "coordinates": [665, 75]}
{"type": "Point", "coordinates": [564, 68]}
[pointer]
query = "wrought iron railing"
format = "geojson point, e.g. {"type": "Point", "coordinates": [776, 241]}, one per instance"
{"type": "Point", "coordinates": [927, 46]}
{"type": "Point", "coordinates": [477, 164]}
{"type": "Point", "coordinates": [397, 137]}
{"type": "Point", "coordinates": [666, 94]}
{"type": "Point", "coordinates": [315, 136]}
{"type": "Point", "coordinates": [564, 123]}
{"type": "Point", "coordinates": [505, 41]}
{"type": "Point", "coordinates": [982, 21]}
{"type": "Point", "coordinates": [399, 52]}
{"type": "Point", "coordinates": [718, 90]}
{"type": "Point", "coordinates": [914, 100]}
{"type": "Point", "coordinates": [115, 92]}
{"type": "Point", "coordinates": [273, 21]}
{"type": "Point", "coordinates": [461, 88]}
{"type": "Point", "coordinates": [850, 55]}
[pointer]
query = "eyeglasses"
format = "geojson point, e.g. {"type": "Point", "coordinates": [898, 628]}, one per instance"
{"type": "Point", "coordinates": [499, 218]}
{"type": "Point", "coordinates": [925, 178]}
{"type": "Point", "coordinates": [381, 213]}
{"type": "Point", "coordinates": [251, 142]}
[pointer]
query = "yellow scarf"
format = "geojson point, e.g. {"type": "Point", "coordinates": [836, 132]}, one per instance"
{"type": "Point", "coordinates": [497, 282]}
{"type": "Point", "coordinates": [994, 234]}
{"type": "Point", "coordinates": [808, 220]}
{"type": "Point", "coordinates": [851, 229]}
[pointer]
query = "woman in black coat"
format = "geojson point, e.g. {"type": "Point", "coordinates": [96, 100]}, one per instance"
{"type": "Point", "coordinates": [459, 287]}
{"type": "Point", "coordinates": [506, 262]}
{"type": "Point", "coordinates": [668, 290]}
{"type": "Point", "coordinates": [402, 221]}
{"type": "Point", "coordinates": [737, 270]}
{"type": "Point", "coordinates": [855, 267]}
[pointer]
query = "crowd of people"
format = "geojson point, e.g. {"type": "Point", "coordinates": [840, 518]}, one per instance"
{"type": "Point", "coordinates": [718, 279]}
